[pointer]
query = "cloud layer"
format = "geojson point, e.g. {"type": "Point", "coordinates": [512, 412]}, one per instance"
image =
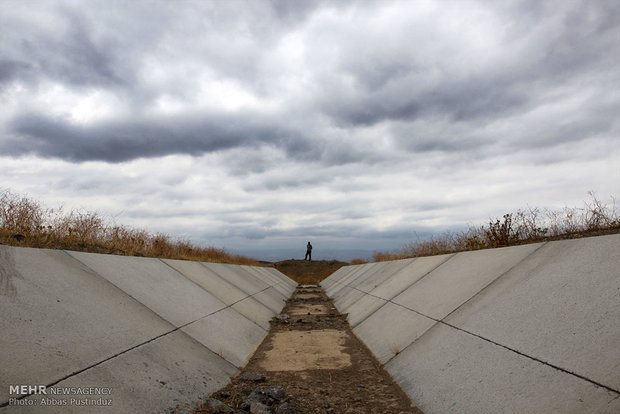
{"type": "Point", "coordinates": [365, 123]}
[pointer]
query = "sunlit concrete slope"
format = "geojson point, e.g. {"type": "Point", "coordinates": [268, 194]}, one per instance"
{"type": "Point", "coordinates": [158, 333]}
{"type": "Point", "coordinates": [524, 329]}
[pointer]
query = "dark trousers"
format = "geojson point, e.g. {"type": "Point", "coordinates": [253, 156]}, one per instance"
{"type": "Point", "coordinates": [308, 255]}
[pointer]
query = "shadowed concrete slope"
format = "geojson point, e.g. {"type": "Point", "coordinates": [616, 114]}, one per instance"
{"type": "Point", "coordinates": [533, 328]}
{"type": "Point", "coordinates": [159, 333]}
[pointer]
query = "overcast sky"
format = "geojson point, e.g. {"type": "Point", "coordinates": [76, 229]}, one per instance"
{"type": "Point", "coordinates": [257, 126]}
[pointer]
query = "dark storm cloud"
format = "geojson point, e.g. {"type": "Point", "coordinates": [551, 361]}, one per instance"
{"type": "Point", "coordinates": [361, 73]}
{"type": "Point", "coordinates": [259, 231]}
{"type": "Point", "coordinates": [467, 100]}
{"type": "Point", "coordinates": [403, 85]}
{"type": "Point", "coordinates": [124, 140]}
{"type": "Point", "coordinates": [294, 12]}
{"type": "Point", "coordinates": [68, 53]}
{"type": "Point", "coordinates": [76, 58]}
{"type": "Point", "coordinates": [11, 70]}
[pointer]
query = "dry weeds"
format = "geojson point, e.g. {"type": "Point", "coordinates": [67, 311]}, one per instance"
{"type": "Point", "coordinates": [26, 222]}
{"type": "Point", "coordinates": [525, 226]}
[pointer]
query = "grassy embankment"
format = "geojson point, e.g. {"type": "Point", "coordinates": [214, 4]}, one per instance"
{"type": "Point", "coordinates": [27, 223]}
{"type": "Point", "coordinates": [524, 226]}
{"type": "Point", "coordinates": [308, 272]}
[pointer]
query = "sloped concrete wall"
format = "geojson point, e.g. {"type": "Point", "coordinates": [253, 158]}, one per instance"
{"type": "Point", "coordinates": [532, 328]}
{"type": "Point", "coordinates": [158, 333]}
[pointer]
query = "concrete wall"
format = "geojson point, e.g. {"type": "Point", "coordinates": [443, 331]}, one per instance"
{"type": "Point", "coordinates": [525, 329]}
{"type": "Point", "coordinates": [159, 333]}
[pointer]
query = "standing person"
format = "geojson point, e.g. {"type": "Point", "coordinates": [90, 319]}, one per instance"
{"type": "Point", "coordinates": [308, 252]}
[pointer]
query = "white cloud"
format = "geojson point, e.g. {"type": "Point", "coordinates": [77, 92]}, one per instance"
{"type": "Point", "coordinates": [357, 124]}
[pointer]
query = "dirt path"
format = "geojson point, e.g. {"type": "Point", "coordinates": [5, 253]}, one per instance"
{"type": "Point", "coordinates": [310, 362]}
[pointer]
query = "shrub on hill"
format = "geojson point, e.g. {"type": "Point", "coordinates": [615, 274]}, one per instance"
{"type": "Point", "coordinates": [524, 226]}
{"type": "Point", "coordinates": [26, 222]}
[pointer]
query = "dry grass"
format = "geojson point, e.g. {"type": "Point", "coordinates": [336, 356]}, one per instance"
{"type": "Point", "coordinates": [358, 261]}
{"type": "Point", "coordinates": [308, 271]}
{"type": "Point", "coordinates": [26, 222]}
{"type": "Point", "coordinates": [525, 226]}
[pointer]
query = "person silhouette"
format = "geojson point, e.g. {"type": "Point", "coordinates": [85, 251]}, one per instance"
{"type": "Point", "coordinates": [308, 252]}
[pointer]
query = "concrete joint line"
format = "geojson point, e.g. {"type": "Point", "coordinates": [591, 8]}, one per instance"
{"type": "Point", "coordinates": [533, 358]}
{"type": "Point", "coordinates": [358, 276]}
{"type": "Point", "coordinates": [374, 296]}
{"type": "Point", "coordinates": [261, 291]}
{"type": "Point", "coordinates": [255, 293]}
{"type": "Point", "coordinates": [175, 329]}
{"type": "Point", "coordinates": [117, 355]}
{"type": "Point", "coordinates": [221, 309]}
{"type": "Point", "coordinates": [93, 272]}
{"type": "Point", "coordinates": [138, 301]}
{"type": "Point", "coordinates": [549, 364]}
{"type": "Point", "coordinates": [401, 291]}
{"type": "Point", "coordinates": [396, 295]}
{"type": "Point", "coordinates": [461, 305]}
{"type": "Point", "coordinates": [426, 274]}
{"type": "Point", "coordinates": [408, 286]}
{"type": "Point", "coordinates": [458, 307]}
{"type": "Point", "coordinates": [128, 350]}
{"type": "Point", "coordinates": [228, 306]}
{"type": "Point", "coordinates": [249, 296]}
{"type": "Point", "coordinates": [495, 280]}
{"type": "Point", "coordinates": [187, 278]}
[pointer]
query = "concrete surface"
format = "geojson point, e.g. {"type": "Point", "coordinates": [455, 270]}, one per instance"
{"type": "Point", "coordinates": [391, 329]}
{"type": "Point", "coordinates": [460, 278]}
{"type": "Point", "coordinates": [284, 286]}
{"type": "Point", "coordinates": [283, 290]}
{"type": "Point", "coordinates": [229, 334]}
{"type": "Point", "coordinates": [159, 333]}
{"type": "Point", "coordinates": [347, 274]}
{"type": "Point", "coordinates": [272, 299]}
{"type": "Point", "coordinates": [238, 276]}
{"type": "Point", "coordinates": [170, 371]}
{"type": "Point", "coordinates": [362, 308]}
{"type": "Point", "coordinates": [338, 289]}
{"type": "Point", "coordinates": [255, 311]}
{"type": "Point", "coordinates": [357, 302]}
{"type": "Point", "coordinates": [371, 271]}
{"type": "Point", "coordinates": [384, 272]}
{"type": "Point", "coordinates": [532, 328]}
{"type": "Point", "coordinates": [154, 284]}
{"type": "Point", "coordinates": [449, 371]}
{"type": "Point", "coordinates": [393, 278]}
{"type": "Point", "coordinates": [562, 306]}
{"type": "Point", "coordinates": [208, 280]}
{"type": "Point", "coordinates": [337, 275]}
{"type": "Point", "coordinates": [57, 317]}
{"type": "Point", "coordinates": [285, 279]}
{"type": "Point", "coordinates": [406, 277]}
{"type": "Point", "coordinates": [230, 294]}
{"type": "Point", "coordinates": [348, 296]}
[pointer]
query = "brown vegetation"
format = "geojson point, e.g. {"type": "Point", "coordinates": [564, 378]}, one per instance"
{"type": "Point", "coordinates": [525, 226]}
{"type": "Point", "coordinates": [308, 271]}
{"type": "Point", "coordinates": [25, 222]}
